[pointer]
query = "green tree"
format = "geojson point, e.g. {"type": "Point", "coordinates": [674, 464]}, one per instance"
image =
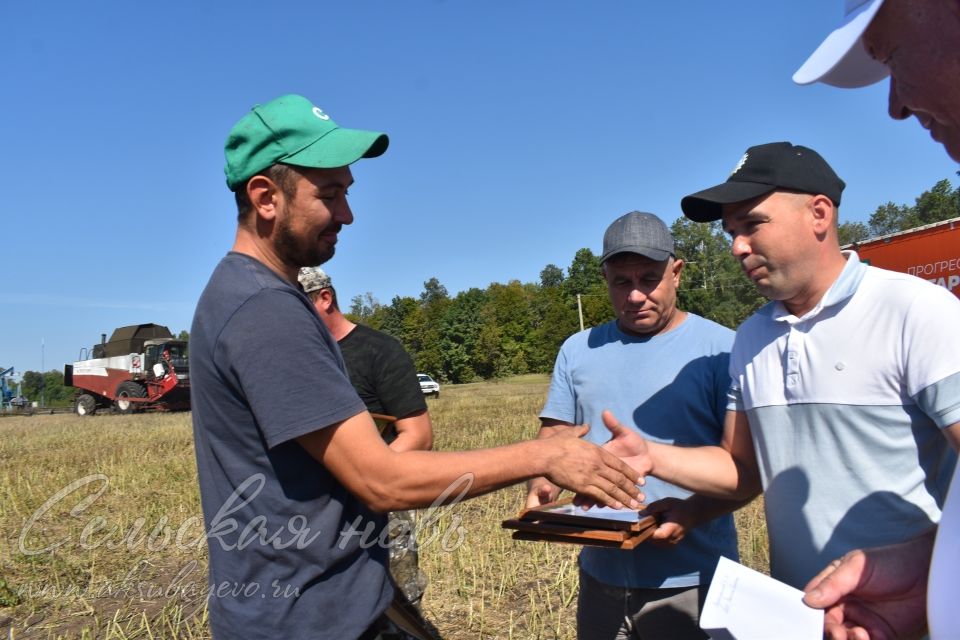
{"type": "Point", "coordinates": [460, 332]}
{"type": "Point", "coordinates": [595, 302]}
{"type": "Point", "coordinates": [585, 277]}
{"type": "Point", "coordinates": [584, 273]}
{"type": "Point", "coordinates": [55, 394]}
{"type": "Point", "coordinates": [851, 232]}
{"type": "Point", "coordinates": [413, 325]}
{"type": "Point", "coordinates": [488, 348]}
{"type": "Point", "coordinates": [712, 283]}
{"type": "Point", "coordinates": [47, 386]}
{"type": "Point", "coordinates": [363, 307]}
{"type": "Point", "coordinates": [184, 335]}
{"type": "Point", "coordinates": [941, 202]}
{"type": "Point", "coordinates": [434, 302]}
{"type": "Point", "coordinates": [554, 320]}
{"type": "Point", "coordinates": [433, 291]}
{"type": "Point", "coordinates": [506, 324]}
{"type": "Point", "coordinates": [32, 384]}
{"type": "Point", "coordinates": [889, 218]}
{"type": "Point", "coordinates": [551, 276]}
{"type": "Point", "coordinates": [393, 320]}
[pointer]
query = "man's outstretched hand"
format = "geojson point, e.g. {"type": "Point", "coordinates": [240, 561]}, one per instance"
{"type": "Point", "coordinates": [627, 444]}
{"type": "Point", "coordinates": [593, 473]}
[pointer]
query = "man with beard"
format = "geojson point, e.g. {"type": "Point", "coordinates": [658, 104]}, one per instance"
{"type": "Point", "coordinates": [293, 482]}
{"type": "Point", "coordinates": [882, 592]}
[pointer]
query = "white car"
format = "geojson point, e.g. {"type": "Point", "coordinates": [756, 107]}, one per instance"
{"type": "Point", "coordinates": [428, 385]}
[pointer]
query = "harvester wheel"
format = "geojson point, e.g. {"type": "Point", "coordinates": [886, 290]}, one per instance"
{"type": "Point", "coordinates": [128, 389]}
{"type": "Point", "coordinates": [86, 405]}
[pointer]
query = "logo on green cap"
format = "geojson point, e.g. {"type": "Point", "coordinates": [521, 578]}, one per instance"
{"type": "Point", "coordinates": [292, 130]}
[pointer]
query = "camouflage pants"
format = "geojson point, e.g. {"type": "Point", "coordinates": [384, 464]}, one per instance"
{"type": "Point", "coordinates": [404, 557]}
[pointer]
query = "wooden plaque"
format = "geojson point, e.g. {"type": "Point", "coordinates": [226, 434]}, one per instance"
{"type": "Point", "coordinates": [562, 522]}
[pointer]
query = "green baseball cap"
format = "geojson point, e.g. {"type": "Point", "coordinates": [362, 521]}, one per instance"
{"type": "Point", "coordinates": [293, 131]}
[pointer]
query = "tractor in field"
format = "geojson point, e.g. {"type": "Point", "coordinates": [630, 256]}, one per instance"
{"type": "Point", "coordinates": [141, 367]}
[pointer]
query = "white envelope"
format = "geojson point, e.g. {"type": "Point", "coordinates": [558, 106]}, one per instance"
{"type": "Point", "coordinates": [743, 604]}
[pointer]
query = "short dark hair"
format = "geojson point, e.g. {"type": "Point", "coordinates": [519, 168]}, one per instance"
{"type": "Point", "coordinates": [283, 175]}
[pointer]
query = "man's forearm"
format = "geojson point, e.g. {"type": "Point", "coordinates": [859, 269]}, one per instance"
{"type": "Point", "coordinates": [705, 508]}
{"type": "Point", "coordinates": [728, 471]}
{"type": "Point", "coordinates": [436, 471]}
{"type": "Point", "coordinates": [707, 470]}
{"type": "Point", "coordinates": [414, 433]}
{"type": "Point", "coordinates": [421, 476]}
{"type": "Point", "coordinates": [385, 480]}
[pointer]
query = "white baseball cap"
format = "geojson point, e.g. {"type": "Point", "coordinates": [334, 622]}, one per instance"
{"type": "Point", "coordinates": [841, 59]}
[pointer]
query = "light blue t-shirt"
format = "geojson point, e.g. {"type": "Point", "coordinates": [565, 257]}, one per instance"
{"type": "Point", "coordinates": [672, 388]}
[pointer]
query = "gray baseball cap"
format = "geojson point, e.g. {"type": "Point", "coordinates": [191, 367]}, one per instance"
{"type": "Point", "coordinates": [638, 232]}
{"type": "Point", "coordinates": [313, 279]}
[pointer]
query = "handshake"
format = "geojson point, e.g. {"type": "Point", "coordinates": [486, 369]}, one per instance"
{"type": "Point", "coordinates": [623, 462]}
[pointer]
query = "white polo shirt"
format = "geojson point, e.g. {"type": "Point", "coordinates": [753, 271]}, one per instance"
{"type": "Point", "coordinates": [845, 406]}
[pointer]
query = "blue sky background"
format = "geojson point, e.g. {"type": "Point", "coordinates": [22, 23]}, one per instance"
{"type": "Point", "coordinates": [519, 131]}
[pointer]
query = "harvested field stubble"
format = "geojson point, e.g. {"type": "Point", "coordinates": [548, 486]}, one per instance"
{"type": "Point", "coordinates": [102, 535]}
{"type": "Point", "coordinates": [130, 562]}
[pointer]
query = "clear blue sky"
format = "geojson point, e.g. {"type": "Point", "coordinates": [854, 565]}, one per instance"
{"type": "Point", "coordinates": [518, 131]}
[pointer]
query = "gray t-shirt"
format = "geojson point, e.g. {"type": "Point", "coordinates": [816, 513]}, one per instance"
{"type": "Point", "coordinates": [280, 564]}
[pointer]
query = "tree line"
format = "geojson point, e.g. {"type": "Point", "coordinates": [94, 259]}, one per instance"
{"type": "Point", "coordinates": [941, 202]}
{"type": "Point", "coordinates": [48, 386]}
{"type": "Point", "coordinates": [515, 328]}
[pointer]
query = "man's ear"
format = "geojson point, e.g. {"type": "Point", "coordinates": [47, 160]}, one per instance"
{"type": "Point", "coordinates": [264, 196]}
{"type": "Point", "coordinates": [325, 299]}
{"type": "Point", "coordinates": [824, 213]}
{"type": "Point", "coordinates": [677, 269]}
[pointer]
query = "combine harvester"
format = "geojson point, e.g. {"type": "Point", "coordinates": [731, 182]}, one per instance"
{"type": "Point", "coordinates": [141, 367]}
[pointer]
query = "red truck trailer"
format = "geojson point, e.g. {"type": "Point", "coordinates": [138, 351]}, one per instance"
{"type": "Point", "coordinates": [931, 252]}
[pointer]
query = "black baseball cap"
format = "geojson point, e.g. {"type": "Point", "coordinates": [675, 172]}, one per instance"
{"type": "Point", "coordinates": [763, 169]}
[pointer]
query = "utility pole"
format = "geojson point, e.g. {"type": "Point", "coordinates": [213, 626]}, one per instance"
{"type": "Point", "coordinates": [580, 311]}
{"type": "Point", "coordinates": [43, 380]}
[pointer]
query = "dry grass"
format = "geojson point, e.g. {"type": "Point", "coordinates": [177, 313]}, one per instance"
{"type": "Point", "coordinates": [133, 578]}
{"type": "Point", "coordinates": [104, 567]}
